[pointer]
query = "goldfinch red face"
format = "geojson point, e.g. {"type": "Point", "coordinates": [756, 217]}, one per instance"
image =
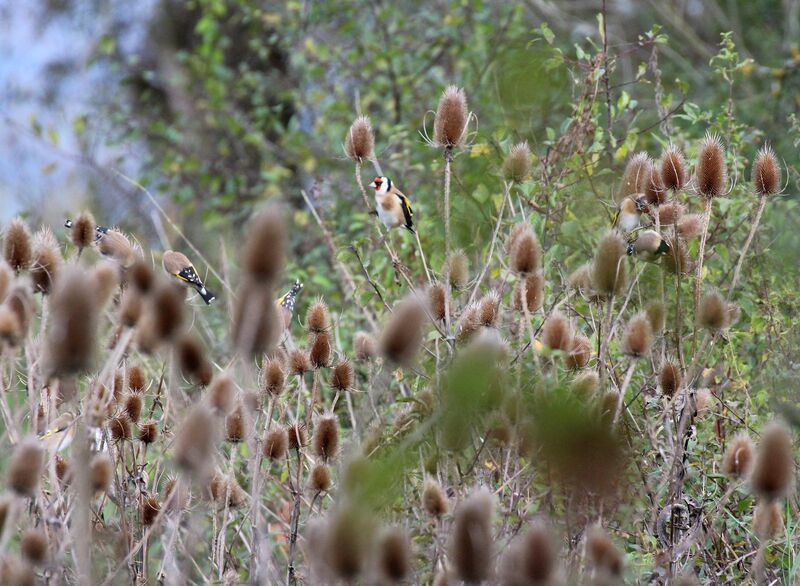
{"type": "Point", "coordinates": [381, 184]}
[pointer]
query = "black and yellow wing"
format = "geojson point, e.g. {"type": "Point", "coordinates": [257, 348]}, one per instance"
{"type": "Point", "coordinates": [189, 275]}
{"type": "Point", "coordinates": [408, 213]}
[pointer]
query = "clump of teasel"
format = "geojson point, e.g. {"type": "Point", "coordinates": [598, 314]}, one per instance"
{"type": "Point", "coordinates": [774, 465]}
{"type": "Point", "coordinates": [222, 393]}
{"type": "Point", "coordinates": [526, 252]}
{"type": "Point", "coordinates": [402, 336]}
{"type": "Point", "coordinates": [273, 377]}
{"type": "Point", "coordinates": [766, 174]}
{"type": "Point", "coordinates": [469, 323]}
{"type": "Point", "coordinates": [320, 479]}
{"type": "Point", "coordinates": [342, 376]}
{"type": "Point", "coordinates": [670, 379]}
{"type": "Point", "coordinates": [609, 271]}
{"type": "Point", "coordinates": [359, 144]}
{"type": "Point", "coordinates": [767, 519]}
{"type": "Point", "coordinates": [195, 440]}
{"type": "Point", "coordinates": [320, 353]}
{"type": "Point", "coordinates": [46, 261]}
{"type": "Point", "coordinates": [237, 425]}
{"type": "Point", "coordinates": [318, 319]}
{"type": "Point", "coordinates": [192, 359]}
{"type": "Point", "coordinates": [738, 459]}
{"type": "Point", "coordinates": [635, 177]}
{"type": "Point", "coordinates": [450, 121]}
{"type": "Point", "coordinates": [276, 444]}
{"type": "Point", "coordinates": [557, 332]}
{"type": "Point", "coordinates": [71, 337]}
{"type": "Point", "coordinates": [602, 554]}
{"type": "Point", "coordinates": [673, 168]}
{"type": "Point", "coordinates": [580, 351]}
{"type": "Point", "coordinates": [434, 500]}
{"type": "Point", "coordinates": [226, 491]}
{"type": "Point", "coordinates": [34, 547]}
{"type": "Point", "coordinates": [366, 347]}
{"type": "Point", "coordinates": [531, 558]}
{"type": "Point", "coordinates": [638, 336]}
{"type": "Point", "coordinates": [533, 285]}
{"type": "Point", "coordinates": [25, 467]}
{"type": "Point", "coordinates": [326, 437]}
{"type": "Point", "coordinates": [101, 472]}
{"type": "Point", "coordinates": [713, 312]}
{"type": "Point", "coordinates": [711, 173]}
{"type": "Point", "coordinates": [394, 555]}
{"type": "Point", "coordinates": [83, 230]}
{"type": "Point", "coordinates": [458, 269]}
{"type": "Point", "coordinates": [148, 432]}
{"type": "Point", "coordinates": [517, 165]}
{"type": "Point", "coordinates": [471, 541]}
{"type": "Point", "coordinates": [17, 247]}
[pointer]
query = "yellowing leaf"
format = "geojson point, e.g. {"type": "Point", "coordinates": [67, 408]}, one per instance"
{"type": "Point", "coordinates": [479, 150]}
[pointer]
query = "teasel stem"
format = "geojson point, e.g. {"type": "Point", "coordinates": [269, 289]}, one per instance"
{"type": "Point", "coordinates": [621, 399]}
{"type": "Point", "coordinates": [762, 201]}
{"type": "Point", "coordinates": [698, 278]}
{"type": "Point", "coordinates": [485, 269]}
{"type": "Point", "coordinates": [448, 160]}
{"type": "Point", "coordinates": [678, 306]}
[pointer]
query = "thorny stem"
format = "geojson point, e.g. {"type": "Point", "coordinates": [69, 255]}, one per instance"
{"type": "Point", "coordinates": [448, 159]}
{"type": "Point", "coordinates": [753, 227]}
{"type": "Point", "coordinates": [698, 277]}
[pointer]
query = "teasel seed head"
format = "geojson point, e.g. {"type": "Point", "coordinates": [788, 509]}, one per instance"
{"type": "Point", "coordinates": [677, 259]}
{"type": "Point", "coordinates": [149, 508]}
{"type": "Point", "coordinates": [192, 359]}
{"type": "Point", "coordinates": [774, 465]}
{"type": "Point", "coordinates": [119, 428]}
{"type": "Point", "coordinates": [458, 269]}
{"type": "Point", "coordinates": [176, 495]}
{"type": "Point", "coordinates": [657, 314]}
{"type": "Point", "coordinates": [673, 168]}
{"type": "Point", "coordinates": [257, 322]}
{"type": "Point", "coordinates": [136, 379]}
{"type": "Point", "coordinates": [33, 546]}
{"type": "Point", "coordinates": [195, 440]}
{"type": "Point", "coordinates": [326, 437]}
{"type": "Point", "coordinates": [25, 467]}
{"type": "Point", "coordinates": [586, 384]}
{"type": "Point", "coordinates": [10, 331]}
{"type": "Point", "coordinates": [580, 351]}
{"type": "Point", "coordinates": [222, 394]}
{"type": "Point", "coordinates": [670, 379]}
{"type": "Point", "coordinates": [321, 351]}
{"type": "Point", "coordinates": [273, 377]}
{"type": "Point", "coordinates": [450, 121]}
{"type": "Point", "coordinates": [395, 555]}
{"type": "Point", "coordinates": [105, 278]}
{"type": "Point", "coordinates": [131, 307]}
{"type": "Point", "coordinates": [635, 177]}
{"type": "Point", "coordinates": [402, 336]}
{"type": "Point", "coordinates": [526, 252]}
{"type": "Point", "coordinates": [434, 500]}
{"type": "Point", "coordinates": [299, 363]}
{"type": "Point", "coordinates": [603, 555]}
{"type": "Point", "coordinates": [276, 444]}
{"type": "Point", "coordinates": [557, 332]}
{"type": "Point", "coordinates": [101, 472]}
{"type": "Point", "coordinates": [237, 425]}
{"type": "Point", "coordinates": [581, 279]}
{"type": "Point", "coordinates": [766, 172]}
{"type": "Point", "coordinates": [296, 434]}
{"type": "Point", "coordinates": [469, 324]}
{"type": "Point", "coordinates": [63, 471]}
{"type": "Point", "coordinates": [711, 172]}
{"type": "Point", "coordinates": [713, 312]}
{"type": "Point", "coordinates": [6, 278]}
{"type": "Point", "coordinates": [17, 247]}
{"type": "Point", "coordinates": [346, 542]}
{"type": "Point", "coordinates": [436, 299]}
{"type": "Point", "coordinates": [365, 346]}
{"type": "Point", "coordinates": [638, 336]}
{"type": "Point", "coordinates": [690, 226]}
{"type": "Point", "coordinates": [359, 144]}
{"type": "Point", "coordinates": [655, 193]}
{"type": "Point", "coordinates": [342, 376]}
{"type": "Point", "coordinates": [670, 213]}
{"type": "Point", "coordinates": [140, 275]}
{"type": "Point", "coordinates": [265, 246]}
{"type": "Point", "coordinates": [534, 292]}
{"type": "Point", "coordinates": [318, 319]}
{"type": "Point", "coordinates": [148, 432]}
{"type": "Point", "coordinates": [226, 491]}
{"type": "Point", "coordinates": [767, 520]}
{"type": "Point", "coordinates": [609, 274]}
{"type": "Point", "coordinates": [320, 480]}
{"type": "Point", "coordinates": [167, 305]}
{"type": "Point", "coordinates": [489, 309]}
{"type": "Point", "coordinates": [46, 261]}
{"type": "Point", "coordinates": [530, 559]}
{"type": "Point", "coordinates": [83, 230]}
{"type": "Point", "coordinates": [133, 406]}
{"type": "Point", "coordinates": [738, 459]}
{"type": "Point", "coordinates": [71, 337]}
{"type": "Point", "coordinates": [517, 166]}
{"type": "Point", "coordinates": [471, 541]}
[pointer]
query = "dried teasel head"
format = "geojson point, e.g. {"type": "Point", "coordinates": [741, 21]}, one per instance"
{"type": "Point", "coordinates": [148, 432]}
{"type": "Point", "coordinates": [119, 428]}
{"type": "Point", "coordinates": [166, 311]}
{"type": "Point", "coordinates": [557, 332]}
{"type": "Point", "coordinates": [738, 459]}
{"type": "Point", "coordinates": [24, 468]}
{"type": "Point", "coordinates": [767, 519]}
{"type": "Point", "coordinates": [83, 230]}
{"type": "Point", "coordinates": [530, 288]}
{"type": "Point", "coordinates": [526, 252]}
{"type": "Point", "coordinates": [531, 558]}
{"type": "Point", "coordinates": [6, 278]}
{"type": "Point", "coordinates": [670, 213]}
{"type": "Point", "coordinates": [265, 246]}
{"type": "Point", "coordinates": [585, 385]}
{"type": "Point", "coordinates": [395, 557]}
{"type": "Point", "coordinates": [273, 377]}
{"type": "Point", "coordinates": [132, 405]}
{"type": "Point", "coordinates": [342, 376]}
{"type": "Point", "coordinates": [276, 444]}
{"type": "Point", "coordinates": [713, 311]}
{"type": "Point", "coordinates": [326, 437]}
{"type": "Point", "coordinates": [517, 165]}
{"type": "Point", "coordinates": [34, 547]}
{"type": "Point", "coordinates": [237, 424]}
{"type": "Point", "coordinates": [299, 363]}
{"type": "Point", "coordinates": [403, 333]}
{"type": "Point", "coordinates": [774, 466]}
{"type": "Point", "coordinates": [318, 318]}
{"type": "Point", "coordinates": [458, 269]}
{"type": "Point", "coordinates": [711, 172]}
{"type": "Point", "coordinates": [638, 336]}
{"type": "Point", "coordinates": [257, 321]}
{"type": "Point", "coordinates": [321, 350]}
{"type": "Point", "coordinates": [603, 555]}
{"type": "Point", "coordinates": [320, 478]}
{"type": "Point", "coordinates": [450, 121]}
{"type": "Point", "coordinates": [296, 434]}
{"type": "Point", "coordinates": [471, 541]}
{"type": "Point", "coordinates": [46, 261]}
{"type": "Point", "coordinates": [489, 309]}
{"type": "Point", "coordinates": [434, 499]}
{"type": "Point", "coordinates": [222, 393]}
{"type": "Point", "coordinates": [366, 347]}
{"type": "Point", "coordinates": [580, 351]}
{"type": "Point", "coordinates": [656, 313]}
{"type": "Point", "coordinates": [673, 168]}
{"type": "Point", "coordinates": [359, 144]}
{"type": "Point", "coordinates": [690, 226]}
{"type": "Point", "coordinates": [149, 507]}
{"type": "Point", "coordinates": [71, 337]}
{"type": "Point", "coordinates": [195, 440]}
{"type": "Point", "coordinates": [635, 177]}
{"type": "Point", "coordinates": [17, 245]}
{"type": "Point", "coordinates": [609, 273]}
{"type": "Point", "coordinates": [437, 302]}
{"type": "Point", "coordinates": [655, 193]}
{"type": "Point", "coordinates": [101, 472]}
{"type": "Point", "coordinates": [192, 359]}
{"type": "Point", "coordinates": [670, 379]}
{"type": "Point", "coordinates": [766, 172]}
{"type": "Point", "coordinates": [581, 279]}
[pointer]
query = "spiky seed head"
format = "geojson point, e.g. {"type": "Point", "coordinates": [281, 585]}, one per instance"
{"type": "Point", "coordinates": [655, 193]}
{"type": "Point", "coordinates": [192, 359]}
{"type": "Point", "coordinates": [346, 542]}
{"type": "Point", "coordinates": [149, 508]}
{"type": "Point", "coordinates": [581, 279]}
{"type": "Point", "coordinates": [766, 172]}
{"type": "Point", "coordinates": [609, 274]}
{"type": "Point", "coordinates": [359, 144]}
{"type": "Point", "coordinates": [774, 465]}
{"type": "Point", "coordinates": [670, 379]}
{"type": "Point", "coordinates": [526, 253]}
{"type": "Point", "coordinates": [299, 363]}
{"type": "Point", "coordinates": [395, 555]}
{"type": "Point", "coordinates": [276, 444]}
{"type": "Point", "coordinates": [434, 500]}
{"type": "Point", "coordinates": [656, 313]}
{"type": "Point", "coordinates": [131, 307]}
{"type": "Point", "coordinates": [33, 546]}
{"type": "Point", "coordinates": [222, 393]}
{"type": "Point", "coordinates": [257, 322]}
{"type": "Point", "coordinates": [471, 541]}
{"type": "Point", "coordinates": [580, 352]}
{"type": "Point", "coordinates": [713, 312]}
{"type": "Point", "coordinates": [342, 376]}
{"type": "Point", "coordinates": [237, 425]}
{"type": "Point", "coordinates": [603, 555]}
{"type": "Point", "coordinates": [638, 336]}
{"type": "Point", "coordinates": [690, 226]}
{"type": "Point", "coordinates": [738, 459]}
{"type": "Point", "coordinates": [132, 405]}
{"type": "Point", "coordinates": [450, 121]}
{"type": "Point", "coordinates": [711, 172]}
{"type": "Point", "coordinates": [296, 434]}
{"type": "Point", "coordinates": [273, 377]}
{"type": "Point", "coordinates": [586, 384]}
{"type": "Point", "coordinates": [71, 337]}
{"type": "Point", "coordinates": [6, 277]}
{"type": "Point", "coordinates": [17, 246]}
{"type": "Point", "coordinates": [46, 261]}
{"type": "Point", "coordinates": [673, 168]}
{"type": "Point", "coordinates": [10, 331]}
{"type": "Point", "coordinates": [635, 177]}
{"type": "Point", "coordinates": [176, 495]}
{"type": "Point", "coordinates": [458, 269]}
{"type": "Point", "coordinates": [195, 440]}
{"type": "Point", "coordinates": [141, 276]}
{"type": "Point", "coordinates": [105, 278]}
{"type": "Point", "coordinates": [517, 166]}
{"type": "Point", "coordinates": [533, 285]}
{"type": "Point", "coordinates": [326, 437]}
{"type": "Point", "coordinates": [265, 246]}
{"type": "Point", "coordinates": [670, 213]}
{"type": "Point", "coordinates": [403, 333]}
{"type": "Point", "coordinates": [557, 332]}
{"type": "Point", "coordinates": [318, 318]}
{"type": "Point", "coordinates": [366, 347]}
{"type": "Point", "coordinates": [469, 323]}
{"type": "Point", "coordinates": [489, 309]}
{"type": "Point", "coordinates": [119, 428]}
{"type": "Point", "coordinates": [767, 519]}
{"type": "Point", "coordinates": [226, 491]}
{"type": "Point", "coordinates": [677, 259]}
{"type": "Point", "coordinates": [148, 432]}
{"type": "Point", "coordinates": [101, 472]}
{"type": "Point", "coordinates": [321, 351]}
{"type": "Point", "coordinates": [320, 480]}
{"type": "Point", "coordinates": [436, 299]}
{"type": "Point", "coordinates": [530, 559]}
{"type": "Point", "coordinates": [83, 233]}
{"type": "Point", "coordinates": [20, 301]}
{"type": "Point", "coordinates": [25, 467]}
{"type": "Point", "coordinates": [136, 379]}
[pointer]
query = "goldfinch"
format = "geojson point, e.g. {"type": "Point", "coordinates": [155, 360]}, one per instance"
{"type": "Point", "coordinates": [648, 245]}
{"type": "Point", "coordinates": [288, 299]}
{"type": "Point", "coordinates": [393, 207]}
{"type": "Point", "coordinates": [60, 434]}
{"type": "Point", "coordinates": [115, 245]}
{"type": "Point", "coordinates": [629, 215]}
{"type": "Point", "coordinates": [179, 266]}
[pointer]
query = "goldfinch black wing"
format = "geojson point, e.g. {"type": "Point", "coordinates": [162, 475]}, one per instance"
{"type": "Point", "coordinates": [288, 300]}
{"type": "Point", "coordinates": [616, 218]}
{"type": "Point", "coordinates": [408, 213]}
{"type": "Point", "coordinates": [189, 275]}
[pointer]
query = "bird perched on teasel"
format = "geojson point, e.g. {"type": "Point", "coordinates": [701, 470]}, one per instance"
{"type": "Point", "coordinates": [60, 433]}
{"type": "Point", "coordinates": [179, 266]}
{"type": "Point", "coordinates": [648, 245]}
{"type": "Point", "coordinates": [629, 215]}
{"type": "Point", "coordinates": [394, 209]}
{"type": "Point", "coordinates": [111, 243]}
{"type": "Point", "coordinates": [288, 300]}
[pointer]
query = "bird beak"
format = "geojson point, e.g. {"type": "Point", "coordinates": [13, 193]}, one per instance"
{"type": "Point", "coordinates": [372, 184]}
